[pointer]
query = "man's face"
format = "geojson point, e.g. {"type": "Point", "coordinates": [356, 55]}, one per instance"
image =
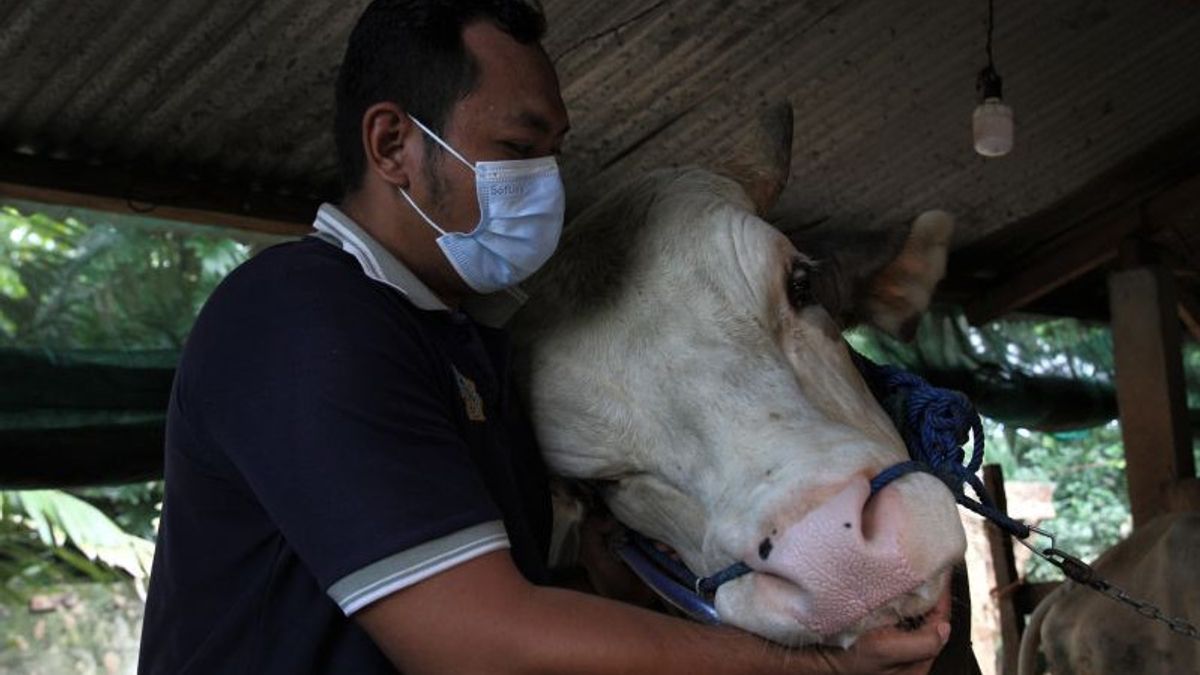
{"type": "Point", "coordinates": [515, 112]}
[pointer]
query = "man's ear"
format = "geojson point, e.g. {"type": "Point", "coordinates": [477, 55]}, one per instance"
{"type": "Point", "coordinates": [389, 147]}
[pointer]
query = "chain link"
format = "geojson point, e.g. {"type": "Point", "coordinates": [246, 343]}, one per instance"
{"type": "Point", "coordinates": [1151, 612]}
{"type": "Point", "coordinates": [1084, 574]}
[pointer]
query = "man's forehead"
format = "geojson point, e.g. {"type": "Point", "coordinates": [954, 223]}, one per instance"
{"type": "Point", "coordinates": [517, 81]}
{"type": "Point", "coordinates": [539, 114]}
{"type": "Point", "coordinates": [538, 122]}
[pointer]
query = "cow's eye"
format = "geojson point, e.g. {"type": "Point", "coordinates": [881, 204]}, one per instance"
{"type": "Point", "coordinates": [799, 284]}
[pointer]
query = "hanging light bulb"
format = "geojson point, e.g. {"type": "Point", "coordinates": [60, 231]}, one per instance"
{"type": "Point", "coordinates": [992, 121]}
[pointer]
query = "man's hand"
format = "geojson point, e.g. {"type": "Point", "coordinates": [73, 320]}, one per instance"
{"type": "Point", "coordinates": [608, 575]}
{"type": "Point", "coordinates": [892, 650]}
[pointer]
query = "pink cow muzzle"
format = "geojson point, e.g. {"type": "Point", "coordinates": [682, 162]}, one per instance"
{"type": "Point", "coordinates": [845, 559]}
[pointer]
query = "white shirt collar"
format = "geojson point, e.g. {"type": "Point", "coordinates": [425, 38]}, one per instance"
{"type": "Point", "coordinates": [377, 263]}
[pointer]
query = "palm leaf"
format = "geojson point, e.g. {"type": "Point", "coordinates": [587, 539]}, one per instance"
{"type": "Point", "coordinates": [60, 518]}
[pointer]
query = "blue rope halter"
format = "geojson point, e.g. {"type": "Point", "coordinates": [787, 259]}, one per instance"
{"type": "Point", "coordinates": [934, 423]}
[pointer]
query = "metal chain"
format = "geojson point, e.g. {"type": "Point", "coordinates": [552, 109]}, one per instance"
{"type": "Point", "coordinates": [1084, 574]}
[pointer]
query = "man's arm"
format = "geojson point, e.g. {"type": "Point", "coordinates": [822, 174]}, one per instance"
{"type": "Point", "coordinates": [483, 617]}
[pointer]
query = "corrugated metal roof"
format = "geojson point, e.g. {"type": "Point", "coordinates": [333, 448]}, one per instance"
{"type": "Point", "coordinates": [882, 89]}
{"type": "Point", "coordinates": [883, 92]}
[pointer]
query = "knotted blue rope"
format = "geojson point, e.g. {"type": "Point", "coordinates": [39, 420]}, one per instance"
{"type": "Point", "coordinates": [935, 423]}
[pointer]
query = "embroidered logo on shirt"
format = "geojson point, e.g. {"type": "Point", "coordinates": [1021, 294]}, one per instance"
{"type": "Point", "coordinates": [470, 396]}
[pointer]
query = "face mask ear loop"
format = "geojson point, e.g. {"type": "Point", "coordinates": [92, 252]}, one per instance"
{"type": "Point", "coordinates": [421, 213]}
{"type": "Point", "coordinates": [442, 143]}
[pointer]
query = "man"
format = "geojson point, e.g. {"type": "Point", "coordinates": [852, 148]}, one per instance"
{"type": "Point", "coordinates": [350, 487]}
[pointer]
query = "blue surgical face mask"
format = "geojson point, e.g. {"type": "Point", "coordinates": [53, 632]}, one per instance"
{"type": "Point", "coordinates": [521, 207]}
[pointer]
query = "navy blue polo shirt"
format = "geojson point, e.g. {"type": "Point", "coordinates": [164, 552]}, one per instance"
{"type": "Point", "coordinates": [335, 434]}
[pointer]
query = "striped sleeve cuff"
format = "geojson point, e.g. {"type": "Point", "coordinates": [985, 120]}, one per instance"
{"type": "Point", "coordinates": [384, 577]}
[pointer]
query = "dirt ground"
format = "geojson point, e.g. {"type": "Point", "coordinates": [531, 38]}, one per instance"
{"type": "Point", "coordinates": [84, 629]}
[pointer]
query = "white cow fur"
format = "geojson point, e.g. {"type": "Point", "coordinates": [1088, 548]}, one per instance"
{"type": "Point", "coordinates": [662, 357]}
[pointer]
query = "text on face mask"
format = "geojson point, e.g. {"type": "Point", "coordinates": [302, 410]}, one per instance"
{"type": "Point", "coordinates": [508, 189]}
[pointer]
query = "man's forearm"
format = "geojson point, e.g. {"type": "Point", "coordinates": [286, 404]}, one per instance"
{"type": "Point", "coordinates": [483, 617]}
{"type": "Point", "coordinates": [559, 634]}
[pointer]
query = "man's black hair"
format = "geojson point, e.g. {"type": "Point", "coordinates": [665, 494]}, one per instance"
{"type": "Point", "coordinates": [411, 52]}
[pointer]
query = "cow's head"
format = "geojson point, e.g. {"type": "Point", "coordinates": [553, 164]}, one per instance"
{"type": "Point", "coordinates": [678, 355]}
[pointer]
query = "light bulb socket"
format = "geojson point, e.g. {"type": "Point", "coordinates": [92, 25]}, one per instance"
{"type": "Point", "coordinates": [989, 84]}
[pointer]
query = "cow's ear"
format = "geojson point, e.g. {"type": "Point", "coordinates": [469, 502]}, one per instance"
{"type": "Point", "coordinates": [897, 295]}
{"type": "Point", "coordinates": [762, 164]}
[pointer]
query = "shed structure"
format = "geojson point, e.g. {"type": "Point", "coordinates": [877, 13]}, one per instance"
{"type": "Point", "coordinates": [220, 112]}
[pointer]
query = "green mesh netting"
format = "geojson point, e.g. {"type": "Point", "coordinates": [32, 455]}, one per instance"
{"type": "Point", "coordinates": [1053, 375]}
{"type": "Point", "coordinates": [94, 309]}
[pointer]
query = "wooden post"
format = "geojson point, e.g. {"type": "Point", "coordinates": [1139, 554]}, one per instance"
{"type": "Point", "coordinates": [1004, 567]}
{"type": "Point", "coordinates": [1150, 388]}
{"type": "Point", "coordinates": [1189, 313]}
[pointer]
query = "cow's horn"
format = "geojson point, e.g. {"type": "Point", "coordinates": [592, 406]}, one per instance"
{"type": "Point", "coordinates": [765, 160]}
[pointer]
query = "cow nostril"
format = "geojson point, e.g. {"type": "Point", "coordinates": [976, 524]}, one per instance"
{"type": "Point", "coordinates": [764, 548]}
{"type": "Point", "coordinates": [846, 525]}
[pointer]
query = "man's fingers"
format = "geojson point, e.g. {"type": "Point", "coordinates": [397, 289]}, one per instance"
{"type": "Point", "coordinates": [905, 647]}
{"type": "Point", "coordinates": [902, 652]}
{"type": "Point", "coordinates": [941, 611]}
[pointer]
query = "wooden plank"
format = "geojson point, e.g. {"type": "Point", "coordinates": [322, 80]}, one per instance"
{"type": "Point", "coordinates": [1029, 596]}
{"type": "Point", "coordinates": [1185, 495]}
{"type": "Point", "coordinates": [1185, 273]}
{"type": "Point", "coordinates": [1004, 567]}
{"type": "Point", "coordinates": [1179, 204]}
{"type": "Point", "coordinates": [1086, 247]}
{"type": "Point", "coordinates": [1151, 396]}
{"type": "Point", "coordinates": [1091, 243]}
{"type": "Point", "coordinates": [1075, 257]}
{"type": "Point", "coordinates": [1086, 298]}
{"type": "Point", "coordinates": [1189, 312]}
{"type": "Point", "coordinates": [139, 192]}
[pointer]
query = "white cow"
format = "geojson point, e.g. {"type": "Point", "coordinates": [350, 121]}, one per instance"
{"type": "Point", "coordinates": [1085, 633]}
{"type": "Point", "coordinates": [676, 356]}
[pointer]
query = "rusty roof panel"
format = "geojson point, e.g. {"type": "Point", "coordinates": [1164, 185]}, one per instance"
{"type": "Point", "coordinates": [882, 89]}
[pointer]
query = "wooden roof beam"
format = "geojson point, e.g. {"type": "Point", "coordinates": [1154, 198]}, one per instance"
{"type": "Point", "coordinates": [1189, 312]}
{"type": "Point", "coordinates": [1083, 252]}
{"type": "Point", "coordinates": [1087, 246]}
{"type": "Point", "coordinates": [139, 192]}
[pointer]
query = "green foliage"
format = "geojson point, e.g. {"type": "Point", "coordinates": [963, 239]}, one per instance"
{"type": "Point", "coordinates": [51, 536]}
{"type": "Point", "coordinates": [135, 508]}
{"type": "Point", "coordinates": [1088, 470]}
{"type": "Point", "coordinates": [81, 280]}
{"type": "Point", "coordinates": [116, 284]}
